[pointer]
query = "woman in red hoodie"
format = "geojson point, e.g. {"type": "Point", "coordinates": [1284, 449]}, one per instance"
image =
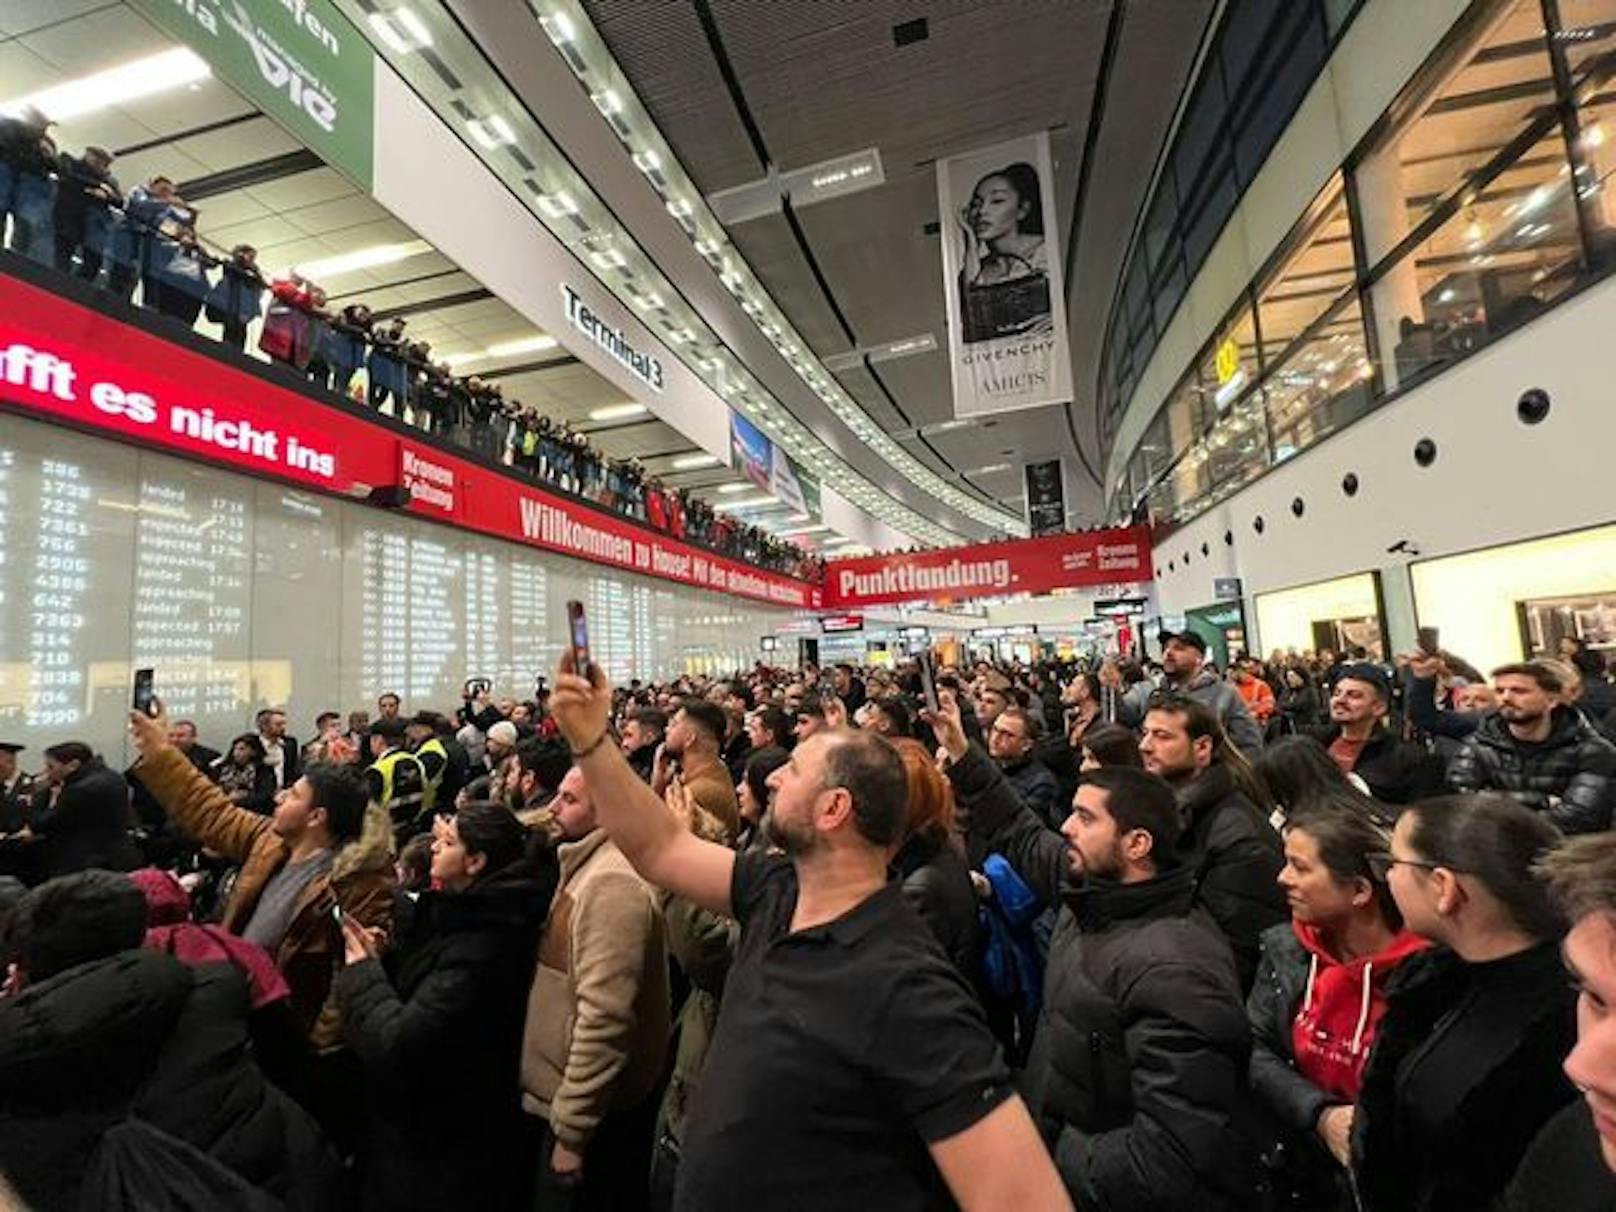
{"type": "Point", "coordinates": [1319, 995]}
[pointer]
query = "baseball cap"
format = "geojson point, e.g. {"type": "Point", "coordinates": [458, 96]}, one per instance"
{"type": "Point", "coordinates": [1371, 674]}
{"type": "Point", "coordinates": [1190, 639]}
{"type": "Point", "coordinates": [504, 732]}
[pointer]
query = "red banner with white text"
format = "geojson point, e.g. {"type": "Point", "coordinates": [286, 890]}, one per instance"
{"type": "Point", "coordinates": [62, 360]}
{"type": "Point", "coordinates": [1067, 561]}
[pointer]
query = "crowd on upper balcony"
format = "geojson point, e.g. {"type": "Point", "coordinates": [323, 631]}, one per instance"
{"type": "Point", "coordinates": [70, 211]}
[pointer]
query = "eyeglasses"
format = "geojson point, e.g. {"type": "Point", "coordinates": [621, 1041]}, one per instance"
{"type": "Point", "coordinates": [1381, 863]}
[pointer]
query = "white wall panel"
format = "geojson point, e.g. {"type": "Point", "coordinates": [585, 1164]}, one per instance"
{"type": "Point", "coordinates": [1495, 480]}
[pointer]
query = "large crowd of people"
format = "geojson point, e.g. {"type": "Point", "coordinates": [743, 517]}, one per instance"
{"type": "Point", "coordinates": [71, 212]}
{"type": "Point", "coordinates": [1117, 936]}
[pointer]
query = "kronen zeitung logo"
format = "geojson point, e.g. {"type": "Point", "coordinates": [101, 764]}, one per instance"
{"type": "Point", "coordinates": [281, 69]}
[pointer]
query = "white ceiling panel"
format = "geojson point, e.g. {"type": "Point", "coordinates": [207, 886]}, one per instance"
{"type": "Point", "coordinates": [240, 144]}
{"type": "Point", "coordinates": [301, 189]}
{"type": "Point", "coordinates": [22, 16]}
{"type": "Point", "coordinates": [96, 40]}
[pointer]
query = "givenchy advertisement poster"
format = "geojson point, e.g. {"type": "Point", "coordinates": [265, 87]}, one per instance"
{"type": "Point", "coordinates": [1002, 278]}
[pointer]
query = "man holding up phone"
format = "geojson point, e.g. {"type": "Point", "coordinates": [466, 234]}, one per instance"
{"type": "Point", "coordinates": [318, 850]}
{"type": "Point", "coordinates": [837, 993]}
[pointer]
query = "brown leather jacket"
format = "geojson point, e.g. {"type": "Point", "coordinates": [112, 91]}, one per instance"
{"type": "Point", "coordinates": [360, 880]}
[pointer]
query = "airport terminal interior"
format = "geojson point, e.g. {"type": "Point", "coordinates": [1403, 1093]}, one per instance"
{"type": "Point", "coordinates": [807, 604]}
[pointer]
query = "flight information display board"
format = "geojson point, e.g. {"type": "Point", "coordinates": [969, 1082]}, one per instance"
{"type": "Point", "coordinates": [245, 593]}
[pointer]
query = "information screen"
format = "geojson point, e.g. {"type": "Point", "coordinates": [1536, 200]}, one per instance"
{"type": "Point", "coordinates": [244, 594]}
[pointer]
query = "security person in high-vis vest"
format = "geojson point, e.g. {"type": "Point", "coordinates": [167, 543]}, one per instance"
{"type": "Point", "coordinates": [395, 778]}
{"type": "Point", "coordinates": [430, 751]}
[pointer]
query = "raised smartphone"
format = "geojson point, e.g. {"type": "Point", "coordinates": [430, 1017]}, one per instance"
{"type": "Point", "coordinates": [144, 698]}
{"type": "Point", "coordinates": [578, 631]}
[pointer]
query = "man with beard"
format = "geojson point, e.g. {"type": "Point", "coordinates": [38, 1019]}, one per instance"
{"type": "Point", "coordinates": [1137, 1067]}
{"type": "Point", "coordinates": [695, 735]}
{"type": "Point", "coordinates": [1540, 752]}
{"type": "Point", "coordinates": [1184, 672]}
{"type": "Point", "coordinates": [837, 994]}
{"type": "Point", "coordinates": [1235, 852]}
{"type": "Point", "coordinates": [642, 734]}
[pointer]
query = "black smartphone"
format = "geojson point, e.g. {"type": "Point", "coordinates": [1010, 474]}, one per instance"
{"type": "Point", "coordinates": [144, 698]}
{"type": "Point", "coordinates": [1426, 641]}
{"type": "Point", "coordinates": [475, 686]}
{"type": "Point", "coordinates": [928, 680]}
{"type": "Point", "coordinates": [578, 630]}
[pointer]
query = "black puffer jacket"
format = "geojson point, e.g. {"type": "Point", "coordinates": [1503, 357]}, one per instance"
{"type": "Point", "coordinates": [441, 1046]}
{"type": "Point", "coordinates": [1489, 1036]}
{"type": "Point", "coordinates": [1137, 1068]}
{"type": "Point", "coordinates": [1571, 775]}
{"type": "Point", "coordinates": [87, 823]}
{"type": "Point", "coordinates": [1237, 856]}
{"type": "Point", "coordinates": [140, 1035]}
{"type": "Point", "coordinates": [937, 883]}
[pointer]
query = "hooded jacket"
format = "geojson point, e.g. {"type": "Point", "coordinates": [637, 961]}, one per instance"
{"type": "Point", "coordinates": [1303, 993]}
{"type": "Point", "coordinates": [1491, 1036]}
{"type": "Point", "coordinates": [1213, 693]}
{"type": "Point", "coordinates": [1237, 856]}
{"type": "Point", "coordinates": [1136, 1071]}
{"type": "Point", "coordinates": [360, 880]}
{"type": "Point", "coordinates": [1571, 774]}
{"type": "Point", "coordinates": [169, 928]}
{"type": "Point", "coordinates": [139, 1035]}
{"type": "Point", "coordinates": [441, 1044]}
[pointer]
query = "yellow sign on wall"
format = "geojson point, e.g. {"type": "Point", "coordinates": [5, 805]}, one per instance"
{"type": "Point", "coordinates": [1228, 361]}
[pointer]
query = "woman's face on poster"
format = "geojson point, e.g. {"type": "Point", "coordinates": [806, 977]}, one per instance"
{"type": "Point", "coordinates": [996, 209]}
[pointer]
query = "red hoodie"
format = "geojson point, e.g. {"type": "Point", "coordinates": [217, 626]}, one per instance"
{"type": "Point", "coordinates": [1341, 1007]}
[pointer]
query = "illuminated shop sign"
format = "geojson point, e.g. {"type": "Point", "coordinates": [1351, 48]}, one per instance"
{"type": "Point", "coordinates": [62, 361]}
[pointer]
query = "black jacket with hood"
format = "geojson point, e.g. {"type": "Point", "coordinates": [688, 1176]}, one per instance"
{"type": "Point", "coordinates": [138, 1035]}
{"type": "Point", "coordinates": [1137, 1071]}
{"type": "Point", "coordinates": [1236, 856]}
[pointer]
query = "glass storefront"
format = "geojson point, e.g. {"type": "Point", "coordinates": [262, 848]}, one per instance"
{"type": "Point", "coordinates": [1479, 209]}
{"type": "Point", "coordinates": [1518, 600]}
{"type": "Point", "coordinates": [1343, 615]}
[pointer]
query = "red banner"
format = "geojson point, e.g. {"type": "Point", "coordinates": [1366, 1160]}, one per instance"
{"type": "Point", "coordinates": [1067, 561]}
{"type": "Point", "coordinates": [59, 359]}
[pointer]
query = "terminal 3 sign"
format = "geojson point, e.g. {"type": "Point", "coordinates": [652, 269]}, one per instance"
{"type": "Point", "coordinates": [63, 361]}
{"type": "Point", "coordinates": [1068, 561]}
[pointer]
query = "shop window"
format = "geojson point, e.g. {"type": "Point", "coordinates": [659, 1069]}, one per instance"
{"type": "Point", "coordinates": [1214, 202]}
{"type": "Point", "coordinates": [1493, 265]}
{"type": "Point", "coordinates": [1311, 278]}
{"type": "Point", "coordinates": [1498, 86]}
{"type": "Point", "coordinates": [1594, 156]}
{"type": "Point", "coordinates": [1169, 290]}
{"type": "Point", "coordinates": [1323, 383]}
{"type": "Point", "coordinates": [1237, 449]}
{"type": "Point", "coordinates": [1229, 365]}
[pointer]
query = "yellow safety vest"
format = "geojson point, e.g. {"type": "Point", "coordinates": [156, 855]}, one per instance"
{"type": "Point", "coordinates": [403, 786]}
{"type": "Point", "coordinates": [429, 793]}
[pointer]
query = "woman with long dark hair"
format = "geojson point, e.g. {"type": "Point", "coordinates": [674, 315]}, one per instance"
{"type": "Point", "coordinates": [440, 1034]}
{"type": "Point", "coordinates": [1320, 993]}
{"type": "Point", "coordinates": [1004, 278]}
{"type": "Point", "coordinates": [1466, 1068]}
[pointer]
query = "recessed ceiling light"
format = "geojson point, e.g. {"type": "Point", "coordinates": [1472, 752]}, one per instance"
{"type": "Point", "coordinates": [557, 205]}
{"type": "Point", "coordinates": [560, 28]}
{"type": "Point", "coordinates": [159, 73]}
{"type": "Point", "coordinates": [691, 462]}
{"type": "Point", "coordinates": [363, 258]}
{"type": "Point", "coordinates": [492, 132]}
{"type": "Point", "coordinates": [616, 412]}
{"type": "Point", "coordinates": [521, 345]}
{"type": "Point", "coordinates": [401, 30]}
{"type": "Point", "coordinates": [731, 489]}
{"type": "Point", "coordinates": [607, 101]}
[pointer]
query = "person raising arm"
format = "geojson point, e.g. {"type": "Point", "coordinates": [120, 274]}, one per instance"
{"type": "Point", "coordinates": [837, 992]}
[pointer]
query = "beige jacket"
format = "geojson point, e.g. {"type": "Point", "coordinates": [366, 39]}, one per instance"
{"type": "Point", "coordinates": [597, 1014]}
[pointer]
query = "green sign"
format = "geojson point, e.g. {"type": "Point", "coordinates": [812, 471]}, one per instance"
{"type": "Point", "coordinates": [300, 61]}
